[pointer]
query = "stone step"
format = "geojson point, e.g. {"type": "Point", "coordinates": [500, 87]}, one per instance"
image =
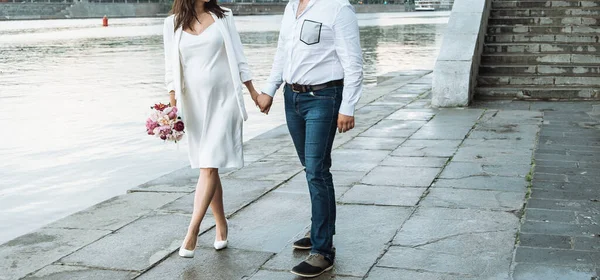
{"type": "Point", "coordinates": [531, 80]}
{"type": "Point", "coordinates": [562, 70]}
{"type": "Point", "coordinates": [547, 12]}
{"type": "Point", "coordinates": [545, 21]}
{"type": "Point", "coordinates": [536, 48]}
{"type": "Point", "coordinates": [543, 38]}
{"type": "Point", "coordinates": [538, 92]}
{"type": "Point", "coordinates": [544, 4]}
{"type": "Point", "coordinates": [511, 29]}
{"type": "Point", "coordinates": [541, 59]}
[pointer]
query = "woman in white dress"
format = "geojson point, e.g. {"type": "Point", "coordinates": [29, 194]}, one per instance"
{"type": "Point", "coordinates": [204, 69]}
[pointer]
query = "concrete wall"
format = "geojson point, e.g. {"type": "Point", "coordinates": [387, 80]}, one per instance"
{"type": "Point", "coordinates": [86, 10]}
{"type": "Point", "coordinates": [457, 66]}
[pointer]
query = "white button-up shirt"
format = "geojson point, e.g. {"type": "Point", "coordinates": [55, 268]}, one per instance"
{"type": "Point", "coordinates": [319, 46]}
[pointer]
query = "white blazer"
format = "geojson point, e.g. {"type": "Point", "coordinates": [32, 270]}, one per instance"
{"type": "Point", "coordinates": [240, 71]}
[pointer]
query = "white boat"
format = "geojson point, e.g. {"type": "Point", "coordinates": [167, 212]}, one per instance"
{"type": "Point", "coordinates": [425, 5]}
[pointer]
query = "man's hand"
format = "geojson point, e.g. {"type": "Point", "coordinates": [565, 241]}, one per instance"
{"type": "Point", "coordinates": [345, 123]}
{"type": "Point", "coordinates": [264, 103]}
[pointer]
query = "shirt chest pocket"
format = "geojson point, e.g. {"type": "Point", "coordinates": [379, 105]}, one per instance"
{"type": "Point", "coordinates": [311, 32]}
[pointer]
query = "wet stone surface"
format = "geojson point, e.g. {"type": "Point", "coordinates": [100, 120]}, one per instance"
{"type": "Point", "coordinates": [421, 194]}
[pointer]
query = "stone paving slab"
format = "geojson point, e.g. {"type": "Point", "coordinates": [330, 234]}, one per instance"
{"type": "Point", "coordinates": [285, 275]}
{"type": "Point", "coordinates": [116, 212]}
{"type": "Point", "coordinates": [430, 224]}
{"type": "Point", "coordinates": [236, 192]}
{"type": "Point", "coordinates": [478, 199]}
{"type": "Point", "coordinates": [552, 272]}
{"type": "Point", "coordinates": [268, 171]}
{"type": "Point", "coordinates": [575, 230]}
{"type": "Point", "coordinates": [427, 148]}
{"type": "Point", "coordinates": [545, 241]}
{"type": "Point", "coordinates": [458, 170]}
{"type": "Point", "coordinates": [374, 143]}
{"type": "Point", "coordinates": [286, 213]}
{"type": "Point", "coordinates": [393, 128]}
{"type": "Point", "coordinates": [300, 187]}
{"type": "Point", "coordinates": [544, 215]}
{"type": "Point", "coordinates": [496, 183]}
{"type": "Point", "coordinates": [369, 159]}
{"type": "Point", "coordinates": [383, 195]}
{"type": "Point", "coordinates": [62, 272]}
{"type": "Point", "coordinates": [31, 252]}
{"type": "Point", "coordinates": [413, 115]}
{"type": "Point", "coordinates": [479, 265]}
{"type": "Point", "coordinates": [401, 177]}
{"type": "Point", "coordinates": [446, 132]}
{"type": "Point", "coordinates": [557, 257]}
{"type": "Point", "coordinates": [354, 223]}
{"type": "Point", "coordinates": [414, 161]}
{"type": "Point", "coordinates": [209, 264]}
{"type": "Point", "coordinates": [408, 274]}
{"type": "Point", "coordinates": [181, 180]}
{"type": "Point", "coordinates": [141, 244]}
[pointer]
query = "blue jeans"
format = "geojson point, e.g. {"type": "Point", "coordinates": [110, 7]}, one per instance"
{"type": "Point", "coordinates": [312, 122]}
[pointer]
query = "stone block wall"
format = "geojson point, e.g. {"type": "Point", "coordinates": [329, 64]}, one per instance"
{"type": "Point", "coordinates": [278, 8]}
{"type": "Point", "coordinates": [32, 10]}
{"type": "Point", "coordinates": [87, 10]}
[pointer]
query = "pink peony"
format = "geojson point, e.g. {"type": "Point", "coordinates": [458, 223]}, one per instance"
{"type": "Point", "coordinates": [178, 126]}
{"type": "Point", "coordinates": [150, 126]}
{"type": "Point", "coordinates": [164, 123]}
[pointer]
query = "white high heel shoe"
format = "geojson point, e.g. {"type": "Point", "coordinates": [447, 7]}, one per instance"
{"type": "Point", "coordinates": [220, 245]}
{"type": "Point", "coordinates": [185, 253]}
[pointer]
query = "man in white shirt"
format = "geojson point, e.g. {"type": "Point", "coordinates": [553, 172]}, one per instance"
{"type": "Point", "coordinates": [319, 59]}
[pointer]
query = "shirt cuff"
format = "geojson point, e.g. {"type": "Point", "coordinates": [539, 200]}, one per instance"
{"type": "Point", "coordinates": [245, 77]}
{"type": "Point", "coordinates": [347, 109]}
{"type": "Point", "coordinates": [270, 89]}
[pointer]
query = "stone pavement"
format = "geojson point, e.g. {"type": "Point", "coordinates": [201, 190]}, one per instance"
{"type": "Point", "coordinates": [422, 194]}
{"type": "Point", "coordinates": [560, 235]}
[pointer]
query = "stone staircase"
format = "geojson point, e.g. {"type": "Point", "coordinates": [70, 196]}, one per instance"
{"type": "Point", "coordinates": [541, 49]}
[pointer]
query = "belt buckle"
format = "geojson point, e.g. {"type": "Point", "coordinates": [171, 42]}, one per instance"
{"type": "Point", "coordinates": [294, 89]}
{"type": "Point", "coordinates": [297, 88]}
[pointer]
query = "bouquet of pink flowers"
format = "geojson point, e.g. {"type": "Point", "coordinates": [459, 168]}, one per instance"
{"type": "Point", "coordinates": [164, 123]}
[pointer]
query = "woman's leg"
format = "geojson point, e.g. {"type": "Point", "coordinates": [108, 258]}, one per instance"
{"type": "Point", "coordinates": [206, 188]}
{"type": "Point", "coordinates": [219, 213]}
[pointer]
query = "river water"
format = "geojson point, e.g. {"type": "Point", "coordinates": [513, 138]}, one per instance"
{"type": "Point", "coordinates": [76, 96]}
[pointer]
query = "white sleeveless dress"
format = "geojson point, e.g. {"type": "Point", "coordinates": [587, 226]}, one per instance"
{"type": "Point", "coordinates": [210, 110]}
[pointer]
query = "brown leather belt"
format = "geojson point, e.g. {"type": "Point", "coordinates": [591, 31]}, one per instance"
{"type": "Point", "coordinates": [306, 88]}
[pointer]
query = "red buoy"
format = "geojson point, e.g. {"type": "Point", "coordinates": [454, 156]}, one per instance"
{"type": "Point", "coordinates": [104, 21]}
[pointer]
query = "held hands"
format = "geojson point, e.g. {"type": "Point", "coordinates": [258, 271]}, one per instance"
{"type": "Point", "coordinates": [264, 102]}
{"type": "Point", "coordinates": [345, 123]}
